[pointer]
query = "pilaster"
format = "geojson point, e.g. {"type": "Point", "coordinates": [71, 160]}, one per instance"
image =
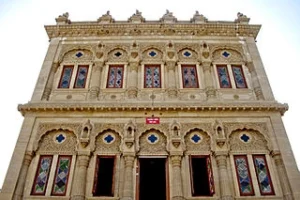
{"type": "Point", "coordinates": [45, 72]}
{"type": "Point", "coordinates": [79, 181]}
{"type": "Point", "coordinates": [177, 189]}
{"type": "Point", "coordinates": [22, 178]}
{"type": "Point", "coordinates": [209, 86]}
{"type": "Point", "coordinates": [221, 158]}
{"type": "Point", "coordinates": [95, 80]}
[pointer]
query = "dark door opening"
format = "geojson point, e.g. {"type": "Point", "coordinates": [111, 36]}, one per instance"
{"type": "Point", "coordinates": [201, 176]}
{"type": "Point", "coordinates": [152, 179]}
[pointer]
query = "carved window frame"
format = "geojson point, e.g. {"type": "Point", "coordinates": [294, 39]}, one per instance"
{"type": "Point", "coordinates": [230, 75]}
{"type": "Point", "coordinates": [74, 75]}
{"type": "Point", "coordinates": [111, 66]}
{"type": "Point", "coordinates": [52, 175]}
{"type": "Point", "coordinates": [210, 176]}
{"type": "Point", "coordinates": [249, 174]}
{"type": "Point", "coordinates": [56, 174]}
{"type": "Point", "coordinates": [160, 76]}
{"type": "Point", "coordinates": [268, 174]}
{"type": "Point", "coordinates": [95, 180]}
{"type": "Point", "coordinates": [33, 190]}
{"type": "Point", "coordinates": [196, 74]}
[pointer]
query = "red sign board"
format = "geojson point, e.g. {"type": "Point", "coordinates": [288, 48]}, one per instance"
{"type": "Point", "coordinates": [152, 120]}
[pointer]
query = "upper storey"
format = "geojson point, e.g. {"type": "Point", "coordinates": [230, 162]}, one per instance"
{"type": "Point", "coordinates": [137, 26]}
{"type": "Point", "coordinates": [148, 63]}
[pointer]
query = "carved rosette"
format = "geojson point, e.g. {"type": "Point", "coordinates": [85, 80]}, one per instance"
{"type": "Point", "coordinates": [132, 92]}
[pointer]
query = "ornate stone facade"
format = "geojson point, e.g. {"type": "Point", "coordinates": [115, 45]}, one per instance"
{"type": "Point", "coordinates": [187, 102]}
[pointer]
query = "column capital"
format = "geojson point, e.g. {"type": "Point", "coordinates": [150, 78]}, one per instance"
{"type": "Point", "coordinates": [28, 157]}
{"type": "Point", "coordinates": [133, 66]}
{"type": "Point", "coordinates": [176, 160]}
{"type": "Point", "coordinates": [55, 66]}
{"type": "Point", "coordinates": [206, 65]}
{"type": "Point", "coordinates": [98, 65]}
{"type": "Point", "coordinates": [170, 65]}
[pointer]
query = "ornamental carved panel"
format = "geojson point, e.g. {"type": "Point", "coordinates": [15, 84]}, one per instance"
{"type": "Point", "coordinates": [59, 141]}
{"type": "Point", "coordinates": [68, 50]}
{"type": "Point", "coordinates": [117, 54]}
{"type": "Point", "coordinates": [206, 127]}
{"type": "Point", "coordinates": [197, 140]}
{"type": "Point", "coordinates": [247, 141]}
{"type": "Point", "coordinates": [45, 128]}
{"type": "Point", "coordinates": [187, 55]}
{"type": "Point", "coordinates": [108, 141]}
{"type": "Point", "coordinates": [227, 56]}
{"type": "Point", "coordinates": [153, 142]}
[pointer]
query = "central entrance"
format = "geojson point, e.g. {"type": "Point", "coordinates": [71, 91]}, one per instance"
{"type": "Point", "coordinates": [152, 179]}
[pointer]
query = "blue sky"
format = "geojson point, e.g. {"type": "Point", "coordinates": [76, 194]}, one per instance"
{"type": "Point", "coordinates": [24, 44]}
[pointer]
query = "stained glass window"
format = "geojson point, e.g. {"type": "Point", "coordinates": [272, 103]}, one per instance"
{"type": "Point", "coordinates": [81, 76]}
{"type": "Point", "coordinates": [243, 175]}
{"type": "Point", "coordinates": [263, 175]}
{"type": "Point", "coordinates": [152, 76]}
{"type": "Point", "coordinates": [239, 77]}
{"type": "Point", "coordinates": [61, 176]}
{"type": "Point", "coordinates": [223, 75]}
{"type": "Point", "coordinates": [42, 175]}
{"type": "Point", "coordinates": [66, 77]}
{"type": "Point", "coordinates": [189, 76]}
{"type": "Point", "coordinates": [115, 77]}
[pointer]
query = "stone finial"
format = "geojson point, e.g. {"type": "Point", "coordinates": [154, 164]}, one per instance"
{"type": "Point", "coordinates": [136, 17]}
{"type": "Point", "coordinates": [168, 17]}
{"type": "Point", "coordinates": [198, 18]}
{"type": "Point", "coordinates": [106, 18]}
{"type": "Point", "coordinates": [241, 18]}
{"type": "Point", "coordinates": [63, 19]}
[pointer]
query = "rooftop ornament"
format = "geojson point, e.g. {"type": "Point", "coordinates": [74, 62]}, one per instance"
{"type": "Point", "coordinates": [198, 18]}
{"type": "Point", "coordinates": [63, 19]}
{"type": "Point", "coordinates": [106, 18]}
{"type": "Point", "coordinates": [241, 18]}
{"type": "Point", "coordinates": [168, 17]}
{"type": "Point", "coordinates": [136, 17]}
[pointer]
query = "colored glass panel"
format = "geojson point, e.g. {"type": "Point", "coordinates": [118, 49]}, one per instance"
{"type": "Point", "coordinates": [263, 175]}
{"type": "Point", "coordinates": [223, 76]}
{"type": "Point", "coordinates": [243, 175]}
{"type": "Point", "coordinates": [189, 77]}
{"type": "Point", "coordinates": [42, 175]}
{"type": "Point", "coordinates": [66, 77]}
{"type": "Point", "coordinates": [210, 176]}
{"type": "Point", "coordinates": [152, 76]}
{"type": "Point", "coordinates": [61, 176]}
{"type": "Point", "coordinates": [239, 78]}
{"type": "Point", "coordinates": [81, 76]}
{"type": "Point", "coordinates": [115, 77]}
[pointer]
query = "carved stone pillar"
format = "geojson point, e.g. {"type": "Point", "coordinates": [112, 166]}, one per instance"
{"type": "Point", "coordinates": [132, 80]}
{"type": "Point", "coordinates": [209, 86]}
{"type": "Point", "coordinates": [49, 84]}
{"type": "Point", "coordinates": [176, 178]}
{"type": "Point", "coordinates": [128, 178]}
{"type": "Point", "coordinates": [284, 182]}
{"type": "Point", "coordinates": [79, 183]}
{"type": "Point", "coordinates": [172, 90]}
{"type": "Point", "coordinates": [256, 86]}
{"type": "Point", "coordinates": [95, 80]}
{"type": "Point", "coordinates": [221, 159]}
{"type": "Point", "coordinates": [22, 178]}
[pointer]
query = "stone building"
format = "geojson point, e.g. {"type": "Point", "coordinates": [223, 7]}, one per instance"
{"type": "Point", "coordinates": [160, 110]}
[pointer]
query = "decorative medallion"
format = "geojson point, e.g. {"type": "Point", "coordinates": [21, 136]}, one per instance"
{"type": "Point", "coordinates": [225, 54]}
{"type": "Point", "coordinates": [152, 53]}
{"type": "Point", "coordinates": [60, 138]}
{"type": "Point", "coordinates": [152, 138]}
{"type": "Point", "coordinates": [118, 54]}
{"type": "Point", "coordinates": [187, 53]}
{"type": "Point", "coordinates": [195, 138]}
{"type": "Point", "coordinates": [245, 138]}
{"type": "Point", "coordinates": [79, 54]}
{"type": "Point", "coordinates": [108, 138]}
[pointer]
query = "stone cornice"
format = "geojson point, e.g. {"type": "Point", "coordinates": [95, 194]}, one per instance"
{"type": "Point", "coordinates": [105, 107]}
{"type": "Point", "coordinates": [152, 28]}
